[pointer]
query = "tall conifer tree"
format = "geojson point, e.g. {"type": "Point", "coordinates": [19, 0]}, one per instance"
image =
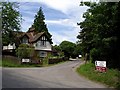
{"type": "Point", "coordinates": [39, 23]}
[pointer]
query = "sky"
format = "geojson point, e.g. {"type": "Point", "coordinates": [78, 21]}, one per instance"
{"type": "Point", "coordinates": [61, 17]}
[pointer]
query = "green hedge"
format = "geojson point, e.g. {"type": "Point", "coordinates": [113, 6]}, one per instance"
{"type": "Point", "coordinates": [57, 60]}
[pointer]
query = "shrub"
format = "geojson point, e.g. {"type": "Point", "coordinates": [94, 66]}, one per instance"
{"type": "Point", "coordinates": [94, 54]}
{"type": "Point", "coordinates": [55, 60]}
{"type": "Point", "coordinates": [25, 51]}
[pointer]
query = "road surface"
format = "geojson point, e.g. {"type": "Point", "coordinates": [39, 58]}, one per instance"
{"type": "Point", "coordinates": [57, 76]}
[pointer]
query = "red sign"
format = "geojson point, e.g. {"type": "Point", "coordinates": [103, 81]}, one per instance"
{"type": "Point", "coordinates": [101, 69]}
{"type": "Point", "coordinates": [100, 66]}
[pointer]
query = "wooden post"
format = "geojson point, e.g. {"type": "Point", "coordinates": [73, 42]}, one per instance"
{"type": "Point", "coordinates": [85, 58]}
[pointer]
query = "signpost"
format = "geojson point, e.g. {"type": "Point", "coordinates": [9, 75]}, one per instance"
{"type": "Point", "coordinates": [100, 66]}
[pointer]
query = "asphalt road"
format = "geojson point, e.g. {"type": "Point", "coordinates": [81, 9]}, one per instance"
{"type": "Point", "coordinates": [0, 78]}
{"type": "Point", "coordinates": [57, 76]}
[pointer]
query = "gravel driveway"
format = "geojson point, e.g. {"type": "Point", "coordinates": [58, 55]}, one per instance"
{"type": "Point", "coordinates": [57, 76]}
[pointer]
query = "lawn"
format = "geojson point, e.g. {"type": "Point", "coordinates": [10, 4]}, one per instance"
{"type": "Point", "coordinates": [110, 78]}
{"type": "Point", "coordinates": [7, 62]}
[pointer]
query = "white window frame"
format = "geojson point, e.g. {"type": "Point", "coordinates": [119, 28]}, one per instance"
{"type": "Point", "coordinates": [43, 54]}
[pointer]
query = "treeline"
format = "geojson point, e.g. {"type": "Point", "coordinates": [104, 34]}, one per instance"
{"type": "Point", "coordinates": [68, 49]}
{"type": "Point", "coordinates": [12, 19]}
{"type": "Point", "coordinates": [100, 34]}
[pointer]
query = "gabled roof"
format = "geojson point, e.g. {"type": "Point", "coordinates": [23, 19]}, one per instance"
{"type": "Point", "coordinates": [31, 30]}
{"type": "Point", "coordinates": [37, 36]}
{"type": "Point", "coordinates": [33, 36]}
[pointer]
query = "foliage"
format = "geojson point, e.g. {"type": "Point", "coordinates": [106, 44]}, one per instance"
{"type": "Point", "coordinates": [57, 48]}
{"type": "Point", "coordinates": [25, 51]}
{"type": "Point", "coordinates": [45, 60]}
{"type": "Point", "coordinates": [0, 62]}
{"type": "Point", "coordinates": [11, 20]}
{"type": "Point", "coordinates": [100, 32]}
{"type": "Point", "coordinates": [110, 78]}
{"type": "Point", "coordinates": [68, 48]}
{"type": "Point", "coordinates": [8, 62]}
{"type": "Point", "coordinates": [39, 23]}
{"type": "Point", "coordinates": [94, 54]}
{"type": "Point", "coordinates": [58, 51]}
{"type": "Point", "coordinates": [56, 60]}
{"type": "Point", "coordinates": [77, 50]}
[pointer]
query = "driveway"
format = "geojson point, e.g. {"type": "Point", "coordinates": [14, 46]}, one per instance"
{"type": "Point", "coordinates": [57, 76]}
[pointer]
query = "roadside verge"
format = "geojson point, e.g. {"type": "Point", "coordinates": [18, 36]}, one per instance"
{"type": "Point", "coordinates": [110, 78]}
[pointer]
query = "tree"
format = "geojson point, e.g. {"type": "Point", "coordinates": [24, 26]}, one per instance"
{"type": "Point", "coordinates": [11, 20]}
{"type": "Point", "coordinates": [58, 51]}
{"type": "Point", "coordinates": [68, 48]}
{"type": "Point", "coordinates": [39, 23]}
{"type": "Point", "coordinates": [99, 35]}
{"type": "Point", "coordinates": [77, 50]}
{"type": "Point", "coordinates": [57, 48]}
{"type": "Point", "coordinates": [25, 51]}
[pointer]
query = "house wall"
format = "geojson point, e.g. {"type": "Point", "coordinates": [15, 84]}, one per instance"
{"type": "Point", "coordinates": [38, 46]}
{"type": "Point", "coordinates": [41, 53]}
{"type": "Point", "coordinates": [42, 46]}
{"type": "Point", "coordinates": [9, 47]}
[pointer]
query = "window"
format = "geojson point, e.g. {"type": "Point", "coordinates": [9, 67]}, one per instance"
{"type": "Point", "coordinates": [36, 44]}
{"type": "Point", "coordinates": [43, 54]}
{"type": "Point", "coordinates": [43, 43]}
{"type": "Point", "coordinates": [25, 40]}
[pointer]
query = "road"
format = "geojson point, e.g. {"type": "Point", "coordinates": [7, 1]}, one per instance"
{"type": "Point", "coordinates": [57, 76]}
{"type": "Point", "coordinates": [0, 77]}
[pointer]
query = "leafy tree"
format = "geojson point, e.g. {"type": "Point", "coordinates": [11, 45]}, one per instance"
{"type": "Point", "coordinates": [77, 50]}
{"type": "Point", "coordinates": [99, 35]}
{"type": "Point", "coordinates": [68, 48]}
{"type": "Point", "coordinates": [39, 23]}
{"type": "Point", "coordinates": [57, 48]}
{"type": "Point", "coordinates": [11, 20]}
{"type": "Point", "coordinates": [25, 51]}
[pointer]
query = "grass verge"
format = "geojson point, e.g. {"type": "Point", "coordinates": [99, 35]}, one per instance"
{"type": "Point", "coordinates": [0, 62]}
{"type": "Point", "coordinates": [110, 78]}
{"type": "Point", "coordinates": [14, 63]}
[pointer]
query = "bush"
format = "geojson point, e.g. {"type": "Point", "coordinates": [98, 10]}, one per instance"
{"type": "Point", "coordinates": [57, 60]}
{"type": "Point", "coordinates": [94, 54]}
{"type": "Point", "coordinates": [25, 51]}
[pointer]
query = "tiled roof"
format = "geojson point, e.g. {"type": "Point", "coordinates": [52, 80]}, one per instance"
{"type": "Point", "coordinates": [31, 29]}
{"type": "Point", "coordinates": [32, 38]}
{"type": "Point", "coordinates": [19, 34]}
{"type": "Point", "coordinates": [36, 37]}
{"type": "Point", "coordinates": [32, 35]}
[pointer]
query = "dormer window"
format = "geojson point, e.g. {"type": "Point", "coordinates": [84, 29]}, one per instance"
{"type": "Point", "coordinates": [25, 40]}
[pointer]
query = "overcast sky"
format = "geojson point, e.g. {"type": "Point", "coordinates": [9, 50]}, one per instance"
{"type": "Point", "coordinates": [61, 17]}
